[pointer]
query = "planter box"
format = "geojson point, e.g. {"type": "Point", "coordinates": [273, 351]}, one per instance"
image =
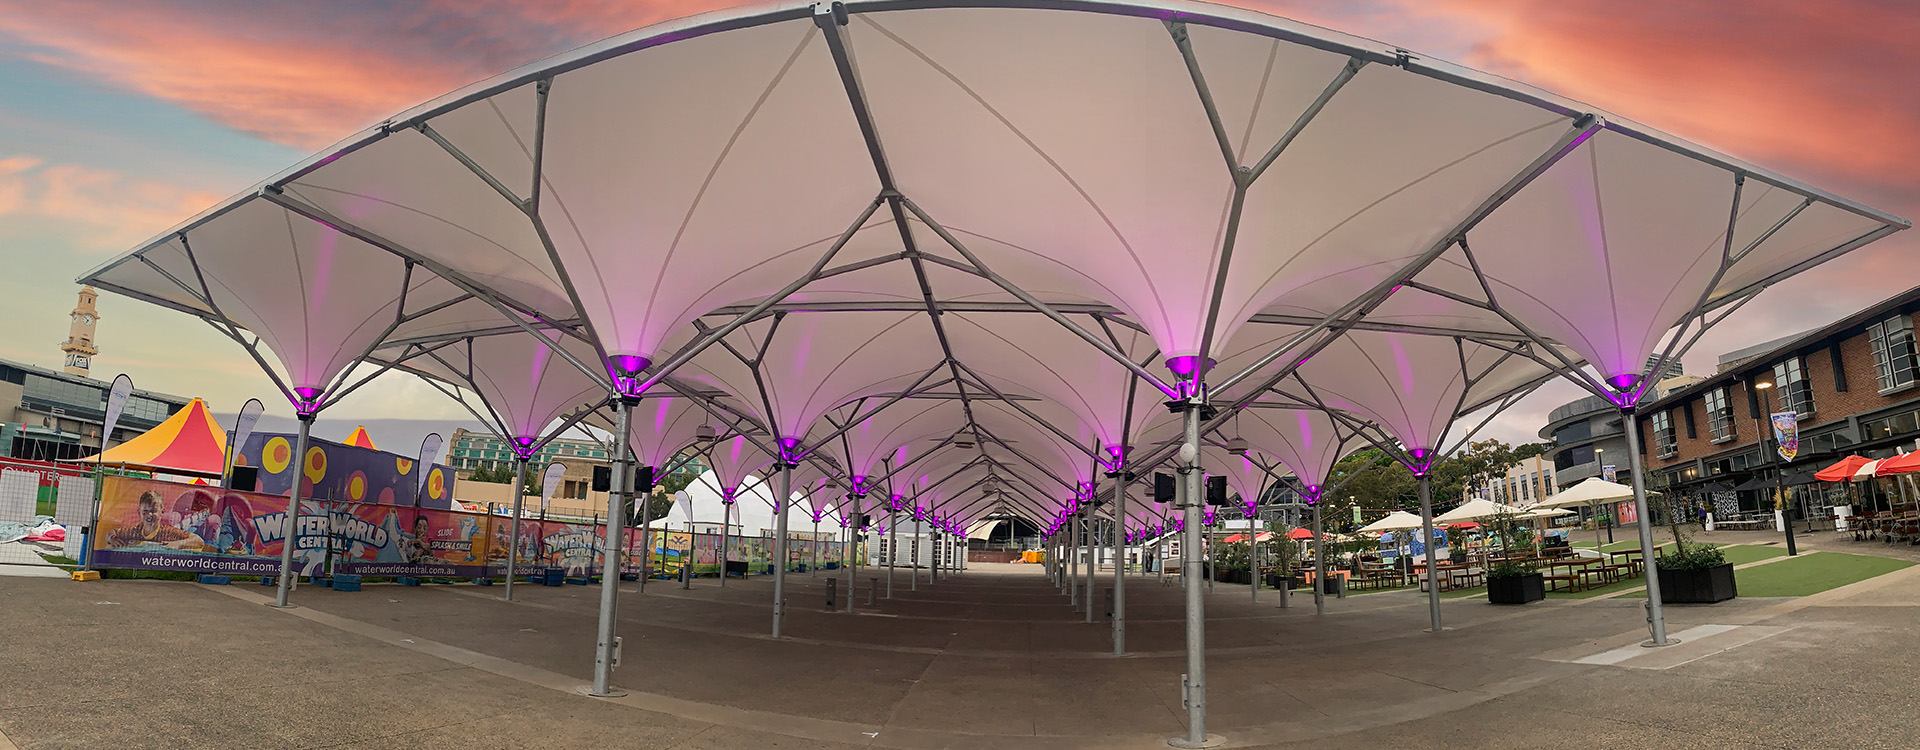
{"type": "Point", "coordinates": [1274, 581]}
{"type": "Point", "coordinates": [1241, 576]}
{"type": "Point", "coordinates": [1531, 587]}
{"type": "Point", "coordinates": [1708, 586]}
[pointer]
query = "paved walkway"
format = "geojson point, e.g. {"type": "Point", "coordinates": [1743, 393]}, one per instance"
{"type": "Point", "coordinates": [990, 659]}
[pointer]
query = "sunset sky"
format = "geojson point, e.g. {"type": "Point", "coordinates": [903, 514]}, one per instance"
{"type": "Point", "coordinates": [120, 119]}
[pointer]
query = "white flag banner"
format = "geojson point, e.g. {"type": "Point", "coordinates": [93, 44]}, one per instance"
{"type": "Point", "coordinates": [429, 448]}
{"type": "Point", "coordinates": [116, 402]}
{"type": "Point", "coordinates": [550, 482]}
{"type": "Point", "coordinates": [244, 423]}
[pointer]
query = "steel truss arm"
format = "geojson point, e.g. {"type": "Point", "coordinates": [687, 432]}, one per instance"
{"type": "Point", "coordinates": [506, 307]}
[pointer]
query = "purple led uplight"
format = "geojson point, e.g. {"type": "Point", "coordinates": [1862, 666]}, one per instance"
{"type": "Point", "coordinates": [1117, 457]}
{"type": "Point", "coordinates": [626, 372]}
{"type": "Point", "coordinates": [1186, 368]}
{"type": "Point", "coordinates": [307, 400]}
{"type": "Point", "coordinates": [789, 449]}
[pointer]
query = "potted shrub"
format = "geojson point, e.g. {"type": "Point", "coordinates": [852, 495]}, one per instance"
{"type": "Point", "coordinates": [1696, 574]}
{"type": "Point", "coordinates": [1513, 583]}
{"type": "Point", "coordinates": [1282, 555]}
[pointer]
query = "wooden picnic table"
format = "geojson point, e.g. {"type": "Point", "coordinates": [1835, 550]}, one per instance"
{"type": "Point", "coordinates": [1580, 570]}
{"type": "Point", "coordinates": [1634, 561]}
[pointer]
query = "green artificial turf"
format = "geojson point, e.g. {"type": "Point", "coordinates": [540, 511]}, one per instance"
{"type": "Point", "coordinates": [1808, 574]}
{"type": "Point", "coordinates": [1812, 574]}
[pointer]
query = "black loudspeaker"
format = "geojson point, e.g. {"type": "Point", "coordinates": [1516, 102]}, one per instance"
{"type": "Point", "coordinates": [643, 480]}
{"type": "Point", "coordinates": [602, 478]}
{"type": "Point", "coordinates": [1162, 487]}
{"type": "Point", "coordinates": [1217, 490]}
{"type": "Point", "coordinates": [245, 478]}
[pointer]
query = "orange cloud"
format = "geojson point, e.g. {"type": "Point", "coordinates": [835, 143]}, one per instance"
{"type": "Point", "coordinates": [1814, 88]}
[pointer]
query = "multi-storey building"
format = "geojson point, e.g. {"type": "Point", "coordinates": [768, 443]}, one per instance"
{"type": "Point", "coordinates": [479, 450]}
{"type": "Point", "coordinates": [1852, 385]}
{"type": "Point", "coordinates": [1529, 482]}
{"type": "Point", "coordinates": [48, 415]}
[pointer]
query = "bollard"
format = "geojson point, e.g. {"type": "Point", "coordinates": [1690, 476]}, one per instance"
{"type": "Point", "coordinates": [873, 588]}
{"type": "Point", "coordinates": [686, 576]}
{"type": "Point", "coordinates": [832, 586]}
{"type": "Point", "coordinates": [1109, 597]}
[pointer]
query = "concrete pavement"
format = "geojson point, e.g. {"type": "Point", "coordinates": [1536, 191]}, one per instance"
{"type": "Point", "coordinates": [992, 658]}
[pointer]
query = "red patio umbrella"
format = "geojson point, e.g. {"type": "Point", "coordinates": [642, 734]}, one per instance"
{"type": "Point", "coordinates": [1902, 464]}
{"type": "Point", "coordinates": [1464, 525]}
{"type": "Point", "coordinates": [1844, 470]}
{"type": "Point", "coordinates": [1300, 534]}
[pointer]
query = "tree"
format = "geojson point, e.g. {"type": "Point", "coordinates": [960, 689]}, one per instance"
{"type": "Point", "coordinates": [660, 501]}
{"type": "Point", "coordinates": [495, 474]}
{"type": "Point", "coordinates": [1471, 468]}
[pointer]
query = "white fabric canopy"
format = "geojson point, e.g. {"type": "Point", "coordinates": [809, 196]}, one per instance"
{"type": "Point", "coordinates": [1382, 219]}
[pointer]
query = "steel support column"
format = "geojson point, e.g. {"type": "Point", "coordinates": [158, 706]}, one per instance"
{"type": "Point", "coordinates": [604, 648]}
{"type": "Point", "coordinates": [519, 499]}
{"type": "Point", "coordinates": [289, 539]}
{"type": "Point", "coordinates": [1656, 616]}
{"type": "Point", "coordinates": [1190, 500]}
{"type": "Point", "coordinates": [1426, 527]}
{"type": "Point", "coordinates": [1319, 565]}
{"type": "Point", "coordinates": [1119, 566]}
{"type": "Point", "coordinates": [780, 544]}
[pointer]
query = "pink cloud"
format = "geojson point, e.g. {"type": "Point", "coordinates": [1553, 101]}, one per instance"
{"type": "Point", "coordinates": [308, 74]}
{"type": "Point", "coordinates": [107, 210]}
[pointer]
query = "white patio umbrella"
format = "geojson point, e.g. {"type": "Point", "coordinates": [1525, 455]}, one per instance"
{"type": "Point", "coordinates": [1398, 520]}
{"type": "Point", "coordinates": [1590, 492]}
{"type": "Point", "coordinates": [1536, 512]}
{"type": "Point", "coordinates": [1475, 510]}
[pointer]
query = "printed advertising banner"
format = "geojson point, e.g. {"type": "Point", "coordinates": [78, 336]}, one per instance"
{"type": "Point", "coordinates": [345, 473]}
{"type": "Point", "coordinates": [147, 524]}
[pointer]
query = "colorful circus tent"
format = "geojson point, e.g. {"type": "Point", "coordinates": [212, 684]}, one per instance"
{"type": "Point", "coordinates": [360, 439]}
{"type": "Point", "coordinates": [190, 443]}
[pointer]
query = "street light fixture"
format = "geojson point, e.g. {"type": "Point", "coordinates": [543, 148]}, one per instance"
{"type": "Point", "coordinates": [1760, 439]}
{"type": "Point", "coordinates": [1599, 455]}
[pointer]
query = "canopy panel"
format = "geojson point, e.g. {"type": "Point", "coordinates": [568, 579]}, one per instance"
{"type": "Point", "coordinates": [518, 375]}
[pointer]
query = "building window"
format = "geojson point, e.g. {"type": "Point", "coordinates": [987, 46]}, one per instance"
{"type": "Point", "coordinates": [1893, 353]}
{"type": "Point", "coordinates": [1790, 382]}
{"type": "Point", "coordinates": [1664, 441]}
{"type": "Point", "coordinates": [1720, 415]}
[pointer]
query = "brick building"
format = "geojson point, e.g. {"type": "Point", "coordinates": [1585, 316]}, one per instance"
{"type": "Point", "coordinates": [1851, 383]}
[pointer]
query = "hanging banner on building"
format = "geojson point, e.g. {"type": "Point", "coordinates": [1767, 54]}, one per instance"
{"type": "Point", "coordinates": [1609, 473]}
{"type": "Point", "coordinates": [1786, 434]}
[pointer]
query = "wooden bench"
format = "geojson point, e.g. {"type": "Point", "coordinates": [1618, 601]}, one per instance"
{"type": "Point", "coordinates": [1572, 581]}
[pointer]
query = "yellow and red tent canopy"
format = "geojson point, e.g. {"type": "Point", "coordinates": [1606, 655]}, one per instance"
{"type": "Point", "coordinates": [361, 439]}
{"type": "Point", "coordinates": [189, 442]}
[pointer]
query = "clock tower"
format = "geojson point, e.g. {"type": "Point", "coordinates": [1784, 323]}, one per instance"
{"type": "Point", "coordinates": [79, 347]}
